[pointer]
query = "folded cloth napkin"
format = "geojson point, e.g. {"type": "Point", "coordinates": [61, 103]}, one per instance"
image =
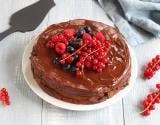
{"type": "Point", "coordinates": [136, 19]}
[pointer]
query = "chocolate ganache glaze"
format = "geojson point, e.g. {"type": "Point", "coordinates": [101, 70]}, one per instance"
{"type": "Point", "coordinates": [95, 87]}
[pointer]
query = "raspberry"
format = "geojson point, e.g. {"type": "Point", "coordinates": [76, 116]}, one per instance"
{"type": "Point", "coordinates": [100, 36]}
{"type": "Point", "coordinates": [60, 48]}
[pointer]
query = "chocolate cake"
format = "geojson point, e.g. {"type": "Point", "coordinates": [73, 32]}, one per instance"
{"type": "Point", "coordinates": [91, 83]}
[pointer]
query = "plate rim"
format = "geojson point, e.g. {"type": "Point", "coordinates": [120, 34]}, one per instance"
{"type": "Point", "coordinates": [71, 106]}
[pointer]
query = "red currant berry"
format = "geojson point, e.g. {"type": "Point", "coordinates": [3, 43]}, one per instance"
{"type": "Point", "coordinates": [154, 60]}
{"type": "Point", "coordinates": [99, 70]}
{"type": "Point", "coordinates": [86, 42]}
{"type": "Point", "coordinates": [95, 61]}
{"type": "Point", "coordinates": [150, 64]}
{"type": "Point", "coordinates": [62, 62]}
{"type": "Point", "coordinates": [69, 33]}
{"type": "Point", "coordinates": [158, 86]}
{"type": "Point", "coordinates": [60, 48]}
{"type": "Point", "coordinates": [101, 65]}
{"type": "Point", "coordinates": [158, 57]}
{"type": "Point", "coordinates": [84, 54]}
{"type": "Point", "coordinates": [95, 67]}
{"type": "Point", "coordinates": [3, 90]}
{"type": "Point", "coordinates": [149, 97]}
{"type": "Point", "coordinates": [78, 64]}
{"type": "Point", "coordinates": [61, 37]}
{"type": "Point", "coordinates": [50, 44]}
{"type": "Point", "coordinates": [145, 103]}
{"type": "Point", "coordinates": [102, 53]}
{"type": "Point", "coordinates": [105, 60]}
{"type": "Point", "coordinates": [96, 54]}
{"type": "Point", "coordinates": [89, 58]}
{"type": "Point", "coordinates": [78, 73]}
{"type": "Point", "coordinates": [146, 113]}
{"type": "Point", "coordinates": [154, 94]}
{"type": "Point", "coordinates": [88, 64]}
{"type": "Point", "coordinates": [106, 44]}
{"type": "Point", "coordinates": [65, 55]}
{"type": "Point", "coordinates": [4, 93]}
{"type": "Point", "coordinates": [89, 51]}
{"type": "Point", "coordinates": [148, 73]}
{"type": "Point", "coordinates": [152, 107]}
{"type": "Point", "coordinates": [157, 100]}
{"type": "Point", "coordinates": [70, 59]}
{"type": "Point", "coordinates": [66, 42]}
{"type": "Point", "coordinates": [79, 52]}
{"type": "Point", "coordinates": [54, 38]}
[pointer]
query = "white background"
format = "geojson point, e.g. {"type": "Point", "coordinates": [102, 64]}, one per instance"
{"type": "Point", "coordinates": [28, 109]}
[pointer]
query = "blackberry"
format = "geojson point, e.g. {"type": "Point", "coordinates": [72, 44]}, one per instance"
{"type": "Point", "coordinates": [70, 49]}
{"type": "Point", "coordinates": [74, 44]}
{"type": "Point", "coordinates": [88, 29]}
{"type": "Point", "coordinates": [66, 66]}
{"type": "Point", "coordinates": [75, 57]}
{"type": "Point", "coordinates": [80, 33]}
{"type": "Point", "coordinates": [56, 60]}
{"type": "Point", "coordinates": [74, 69]}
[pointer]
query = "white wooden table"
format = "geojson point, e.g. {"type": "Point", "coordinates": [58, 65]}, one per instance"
{"type": "Point", "coordinates": [28, 109]}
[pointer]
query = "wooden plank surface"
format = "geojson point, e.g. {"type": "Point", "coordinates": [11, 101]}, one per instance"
{"type": "Point", "coordinates": [132, 102]}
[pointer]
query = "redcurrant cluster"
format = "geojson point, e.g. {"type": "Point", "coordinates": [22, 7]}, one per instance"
{"type": "Point", "coordinates": [81, 49]}
{"type": "Point", "coordinates": [4, 97]}
{"type": "Point", "coordinates": [152, 99]}
{"type": "Point", "coordinates": [152, 67]}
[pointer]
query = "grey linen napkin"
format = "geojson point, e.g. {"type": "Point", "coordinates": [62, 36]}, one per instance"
{"type": "Point", "coordinates": [137, 20]}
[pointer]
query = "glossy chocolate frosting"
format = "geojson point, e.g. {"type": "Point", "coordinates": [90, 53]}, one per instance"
{"type": "Point", "coordinates": [93, 88]}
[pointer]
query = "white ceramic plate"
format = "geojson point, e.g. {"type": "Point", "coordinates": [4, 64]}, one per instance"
{"type": "Point", "coordinates": [26, 69]}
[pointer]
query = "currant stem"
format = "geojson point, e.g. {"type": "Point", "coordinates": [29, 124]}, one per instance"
{"type": "Point", "coordinates": [150, 103]}
{"type": "Point", "coordinates": [73, 53]}
{"type": "Point", "coordinates": [155, 64]}
{"type": "Point", "coordinates": [88, 55]}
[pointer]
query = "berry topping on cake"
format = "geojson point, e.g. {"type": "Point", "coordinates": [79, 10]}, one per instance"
{"type": "Point", "coordinates": [85, 50]}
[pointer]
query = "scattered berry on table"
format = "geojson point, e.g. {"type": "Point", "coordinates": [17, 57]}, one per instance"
{"type": "Point", "coordinates": [4, 97]}
{"type": "Point", "coordinates": [149, 103]}
{"type": "Point", "coordinates": [152, 67]}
